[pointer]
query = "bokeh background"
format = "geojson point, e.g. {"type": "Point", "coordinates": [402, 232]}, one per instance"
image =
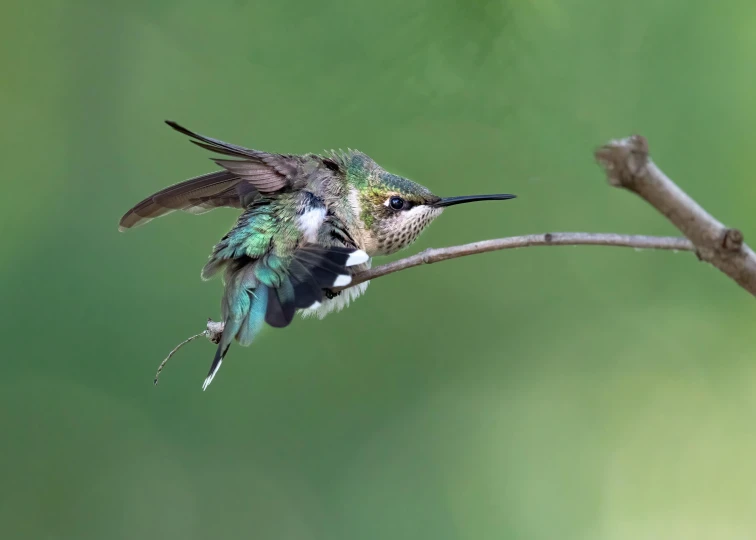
{"type": "Point", "coordinates": [576, 392]}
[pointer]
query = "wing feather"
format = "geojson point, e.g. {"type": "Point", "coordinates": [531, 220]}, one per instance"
{"type": "Point", "coordinates": [236, 186]}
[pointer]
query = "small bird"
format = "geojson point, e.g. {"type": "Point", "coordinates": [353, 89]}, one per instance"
{"type": "Point", "coordinates": [309, 223]}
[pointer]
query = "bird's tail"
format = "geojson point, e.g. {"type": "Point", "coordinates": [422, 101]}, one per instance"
{"type": "Point", "coordinates": [271, 289]}
{"type": "Point", "coordinates": [243, 310]}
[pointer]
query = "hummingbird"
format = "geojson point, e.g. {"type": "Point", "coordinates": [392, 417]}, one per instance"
{"type": "Point", "coordinates": [308, 224]}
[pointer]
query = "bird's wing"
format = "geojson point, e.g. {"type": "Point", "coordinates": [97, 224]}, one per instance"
{"type": "Point", "coordinates": [240, 182]}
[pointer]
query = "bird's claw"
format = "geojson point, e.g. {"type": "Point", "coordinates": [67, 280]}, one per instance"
{"type": "Point", "coordinates": [330, 294]}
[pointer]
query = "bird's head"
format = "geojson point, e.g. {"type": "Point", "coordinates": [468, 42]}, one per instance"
{"type": "Point", "coordinates": [392, 209]}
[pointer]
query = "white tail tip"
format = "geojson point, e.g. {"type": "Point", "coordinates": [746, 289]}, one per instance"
{"type": "Point", "coordinates": [358, 257]}
{"type": "Point", "coordinates": [210, 377]}
{"type": "Point", "coordinates": [342, 281]}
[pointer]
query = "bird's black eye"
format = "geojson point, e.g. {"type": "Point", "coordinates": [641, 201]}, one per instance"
{"type": "Point", "coordinates": [397, 203]}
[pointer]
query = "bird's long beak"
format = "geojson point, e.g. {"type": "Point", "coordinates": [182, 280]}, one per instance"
{"type": "Point", "coordinates": [450, 201]}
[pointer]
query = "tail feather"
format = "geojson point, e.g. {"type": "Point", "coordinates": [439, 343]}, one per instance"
{"type": "Point", "coordinates": [328, 265]}
{"type": "Point", "coordinates": [235, 309]}
{"type": "Point", "coordinates": [220, 353]}
{"type": "Point", "coordinates": [307, 289]}
{"type": "Point", "coordinates": [268, 290]}
{"type": "Point", "coordinates": [255, 318]}
{"type": "Point", "coordinates": [281, 305]}
{"type": "Point", "coordinates": [244, 317]}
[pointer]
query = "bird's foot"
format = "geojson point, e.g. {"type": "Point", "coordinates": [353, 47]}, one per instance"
{"type": "Point", "coordinates": [330, 294]}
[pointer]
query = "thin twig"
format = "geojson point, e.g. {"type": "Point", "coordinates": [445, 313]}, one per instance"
{"type": "Point", "coordinates": [175, 349]}
{"type": "Point", "coordinates": [531, 240]}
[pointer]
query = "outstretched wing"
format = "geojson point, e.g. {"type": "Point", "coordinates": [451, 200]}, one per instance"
{"type": "Point", "coordinates": [241, 181]}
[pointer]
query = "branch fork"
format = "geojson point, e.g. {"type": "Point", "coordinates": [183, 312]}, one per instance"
{"type": "Point", "coordinates": [628, 166]}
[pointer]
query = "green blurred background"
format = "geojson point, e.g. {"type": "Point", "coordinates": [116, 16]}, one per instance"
{"type": "Point", "coordinates": [578, 392]}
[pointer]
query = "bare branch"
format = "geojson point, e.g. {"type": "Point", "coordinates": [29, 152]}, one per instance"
{"type": "Point", "coordinates": [548, 239]}
{"type": "Point", "coordinates": [628, 166]}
